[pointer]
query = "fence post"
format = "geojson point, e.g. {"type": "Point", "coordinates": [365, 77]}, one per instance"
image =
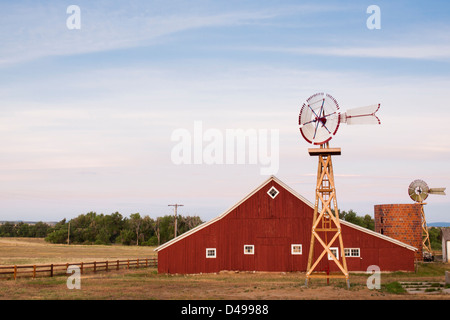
{"type": "Point", "coordinates": [81, 268]}
{"type": "Point", "coordinates": [15, 272]}
{"type": "Point", "coordinates": [34, 271]}
{"type": "Point", "coordinates": [51, 270]}
{"type": "Point", "coordinates": [95, 266]}
{"type": "Point", "coordinates": [106, 265]}
{"type": "Point", "coordinates": [128, 263]}
{"type": "Point", "coordinates": [137, 263]}
{"type": "Point", "coordinates": [117, 268]}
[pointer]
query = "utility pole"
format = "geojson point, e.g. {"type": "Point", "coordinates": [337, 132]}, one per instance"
{"type": "Point", "coordinates": [176, 205]}
{"type": "Point", "coordinates": [68, 234]}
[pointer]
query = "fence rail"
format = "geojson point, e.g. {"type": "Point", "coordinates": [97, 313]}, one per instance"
{"type": "Point", "coordinates": [61, 268]}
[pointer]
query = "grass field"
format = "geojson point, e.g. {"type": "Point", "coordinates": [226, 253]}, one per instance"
{"type": "Point", "coordinates": [37, 251]}
{"type": "Point", "coordinates": [147, 284]}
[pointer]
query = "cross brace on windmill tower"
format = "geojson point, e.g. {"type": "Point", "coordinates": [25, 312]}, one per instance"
{"type": "Point", "coordinates": [319, 121]}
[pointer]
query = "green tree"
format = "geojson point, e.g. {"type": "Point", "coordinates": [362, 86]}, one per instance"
{"type": "Point", "coordinates": [186, 223]}
{"type": "Point", "coordinates": [435, 238]}
{"type": "Point", "coordinates": [166, 228]}
{"type": "Point", "coordinates": [156, 228]}
{"type": "Point", "coordinates": [114, 223]}
{"type": "Point", "coordinates": [59, 233]}
{"type": "Point", "coordinates": [352, 217]}
{"type": "Point", "coordinates": [22, 229]}
{"type": "Point", "coordinates": [83, 228]}
{"type": "Point", "coordinates": [126, 237]}
{"type": "Point", "coordinates": [7, 229]}
{"type": "Point", "coordinates": [135, 225]}
{"type": "Point", "coordinates": [147, 230]}
{"type": "Point", "coordinates": [41, 230]}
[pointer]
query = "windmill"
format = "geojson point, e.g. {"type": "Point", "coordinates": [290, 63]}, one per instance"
{"type": "Point", "coordinates": [319, 120]}
{"type": "Point", "coordinates": [418, 191]}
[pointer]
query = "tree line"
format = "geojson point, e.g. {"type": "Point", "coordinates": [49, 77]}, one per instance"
{"type": "Point", "coordinates": [93, 228]}
{"type": "Point", "coordinates": [22, 229]}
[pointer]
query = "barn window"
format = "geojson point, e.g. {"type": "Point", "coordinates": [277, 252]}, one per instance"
{"type": "Point", "coordinates": [249, 249]}
{"type": "Point", "coordinates": [335, 252]}
{"type": "Point", "coordinates": [352, 252]}
{"type": "Point", "coordinates": [273, 192]}
{"type": "Point", "coordinates": [210, 252]}
{"type": "Point", "coordinates": [296, 249]}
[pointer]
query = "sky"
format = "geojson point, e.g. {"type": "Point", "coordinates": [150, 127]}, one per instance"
{"type": "Point", "coordinates": [91, 102]}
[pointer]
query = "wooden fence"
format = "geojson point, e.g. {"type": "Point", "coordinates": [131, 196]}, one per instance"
{"type": "Point", "coordinates": [52, 269]}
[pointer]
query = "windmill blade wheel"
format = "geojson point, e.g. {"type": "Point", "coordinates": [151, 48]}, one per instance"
{"type": "Point", "coordinates": [418, 190]}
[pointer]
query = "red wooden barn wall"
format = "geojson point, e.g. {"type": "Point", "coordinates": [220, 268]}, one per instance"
{"type": "Point", "coordinates": [272, 225]}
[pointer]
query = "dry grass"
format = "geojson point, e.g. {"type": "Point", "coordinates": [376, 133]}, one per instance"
{"type": "Point", "coordinates": [37, 251]}
{"type": "Point", "coordinates": [146, 284]}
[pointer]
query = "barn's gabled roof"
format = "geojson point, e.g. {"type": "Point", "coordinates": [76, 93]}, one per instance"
{"type": "Point", "coordinates": [299, 196]}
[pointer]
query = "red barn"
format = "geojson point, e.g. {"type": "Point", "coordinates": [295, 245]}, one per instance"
{"type": "Point", "coordinates": [270, 230]}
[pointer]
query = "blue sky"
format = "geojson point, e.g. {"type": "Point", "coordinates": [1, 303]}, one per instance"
{"type": "Point", "coordinates": [86, 116]}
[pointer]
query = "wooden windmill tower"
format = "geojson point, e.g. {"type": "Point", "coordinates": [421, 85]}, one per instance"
{"type": "Point", "coordinates": [319, 121]}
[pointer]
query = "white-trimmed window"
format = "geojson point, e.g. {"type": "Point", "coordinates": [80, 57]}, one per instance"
{"type": "Point", "coordinates": [352, 252]}
{"type": "Point", "coordinates": [210, 252]}
{"type": "Point", "coordinates": [273, 192]}
{"type": "Point", "coordinates": [249, 249]}
{"type": "Point", "coordinates": [335, 251]}
{"type": "Point", "coordinates": [296, 249]}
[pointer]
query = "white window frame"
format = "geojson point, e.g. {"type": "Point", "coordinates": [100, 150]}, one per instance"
{"type": "Point", "coordinates": [349, 253]}
{"type": "Point", "coordinates": [250, 246]}
{"type": "Point", "coordinates": [211, 256]}
{"type": "Point", "coordinates": [294, 252]}
{"type": "Point", "coordinates": [273, 188]}
{"type": "Point", "coordinates": [337, 253]}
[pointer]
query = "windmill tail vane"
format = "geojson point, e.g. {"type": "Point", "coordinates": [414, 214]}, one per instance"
{"type": "Point", "coordinates": [361, 115]}
{"type": "Point", "coordinates": [440, 191]}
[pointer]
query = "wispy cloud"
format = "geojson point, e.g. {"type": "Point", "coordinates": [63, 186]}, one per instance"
{"type": "Point", "coordinates": [428, 52]}
{"type": "Point", "coordinates": [420, 42]}
{"type": "Point", "coordinates": [406, 51]}
{"type": "Point", "coordinates": [38, 30]}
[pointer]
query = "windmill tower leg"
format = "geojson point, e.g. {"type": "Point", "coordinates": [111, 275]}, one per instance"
{"type": "Point", "coordinates": [326, 228]}
{"type": "Point", "coordinates": [425, 234]}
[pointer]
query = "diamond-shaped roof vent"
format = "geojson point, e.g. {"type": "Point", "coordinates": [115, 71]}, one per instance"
{"type": "Point", "coordinates": [273, 192]}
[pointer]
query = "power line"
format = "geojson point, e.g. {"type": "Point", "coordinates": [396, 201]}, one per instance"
{"type": "Point", "coordinates": [176, 205]}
